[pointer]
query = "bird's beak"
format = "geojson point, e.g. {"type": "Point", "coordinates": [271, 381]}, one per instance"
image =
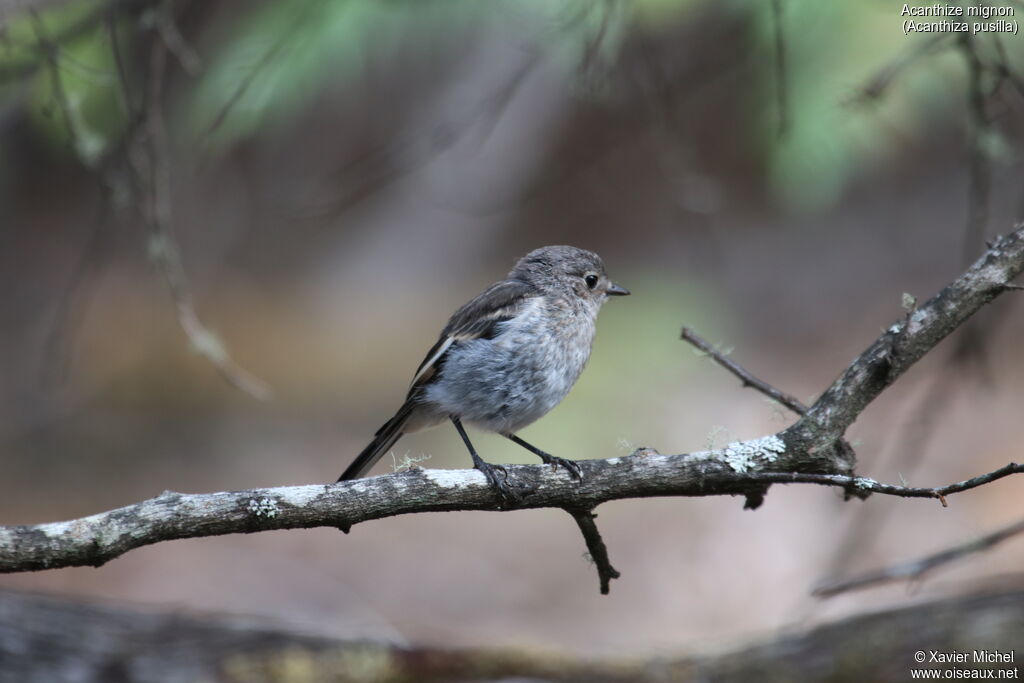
{"type": "Point", "coordinates": [617, 290]}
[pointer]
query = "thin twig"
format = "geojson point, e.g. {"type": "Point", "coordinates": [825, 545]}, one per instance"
{"type": "Point", "coordinates": [595, 546]}
{"type": "Point", "coordinates": [880, 82]}
{"type": "Point", "coordinates": [86, 23]}
{"type": "Point", "coordinates": [781, 76]}
{"type": "Point", "coordinates": [175, 42]}
{"type": "Point", "coordinates": [377, 168]}
{"type": "Point", "coordinates": [865, 485]}
{"type": "Point", "coordinates": [154, 175]}
{"type": "Point", "coordinates": [980, 186]}
{"type": "Point", "coordinates": [286, 38]}
{"type": "Point", "coordinates": [68, 315]}
{"type": "Point", "coordinates": [49, 49]}
{"type": "Point", "coordinates": [743, 374]}
{"type": "Point", "coordinates": [1002, 68]}
{"type": "Point", "coordinates": [916, 569]}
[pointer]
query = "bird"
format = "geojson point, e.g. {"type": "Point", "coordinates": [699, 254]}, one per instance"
{"type": "Point", "coordinates": [506, 358]}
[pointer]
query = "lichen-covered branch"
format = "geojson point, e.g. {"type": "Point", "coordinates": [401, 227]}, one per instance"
{"type": "Point", "coordinates": [811, 451]}
{"type": "Point", "coordinates": [95, 540]}
{"type": "Point", "coordinates": [907, 341]}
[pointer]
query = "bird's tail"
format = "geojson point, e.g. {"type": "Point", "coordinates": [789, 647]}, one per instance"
{"type": "Point", "coordinates": [382, 442]}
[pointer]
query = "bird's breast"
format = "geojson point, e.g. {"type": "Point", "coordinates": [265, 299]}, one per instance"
{"type": "Point", "coordinates": [551, 343]}
{"type": "Point", "coordinates": [526, 369]}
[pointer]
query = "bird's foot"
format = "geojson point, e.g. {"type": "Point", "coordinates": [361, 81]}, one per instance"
{"type": "Point", "coordinates": [497, 477]}
{"type": "Point", "coordinates": [571, 466]}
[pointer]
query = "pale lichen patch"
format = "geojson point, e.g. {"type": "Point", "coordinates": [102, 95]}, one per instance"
{"type": "Point", "coordinates": [744, 456]}
{"type": "Point", "coordinates": [918, 319]}
{"type": "Point", "coordinates": [865, 483]}
{"type": "Point", "coordinates": [357, 486]}
{"type": "Point", "coordinates": [446, 478]}
{"type": "Point", "coordinates": [298, 496]}
{"type": "Point", "coordinates": [264, 507]}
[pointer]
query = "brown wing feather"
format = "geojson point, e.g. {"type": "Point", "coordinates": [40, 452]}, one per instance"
{"type": "Point", "coordinates": [477, 319]}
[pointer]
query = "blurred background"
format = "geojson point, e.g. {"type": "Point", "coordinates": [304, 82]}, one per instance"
{"type": "Point", "coordinates": [229, 232]}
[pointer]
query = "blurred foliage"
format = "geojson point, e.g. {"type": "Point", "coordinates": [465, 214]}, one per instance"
{"type": "Point", "coordinates": [270, 60]}
{"type": "Point", "coordinates": [74, 93]}
{"type": "Point", "coordinates": [276, 59]}
{"type": "Point", "coordinates": [281, 55]}
{"type": "Point", "coordinates": [832, 52]}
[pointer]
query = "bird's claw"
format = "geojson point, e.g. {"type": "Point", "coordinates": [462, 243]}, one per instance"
{"type": "Point", "coordinates": [571, 466]}
{"type": "Point", "coordinates": [500, 485]}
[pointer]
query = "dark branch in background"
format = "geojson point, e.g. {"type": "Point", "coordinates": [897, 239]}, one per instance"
{"type": "Point", "coordinates": [147, 149]}
{"type": "Point", "coordinates": [970, 348]}
{"type": "Point", "coordinates": [746, 378]}
{"type": "Point", "coordinates": [980, 187]}
{"type": "Point", "coordinates": [49, 51]}
{"type": "Point", "coordinates": [973, 340]}
{"type": "Point", "coordinates": [195, 646]}
{"type": "Point", "coordinates": [287, 38]}
{"type": "Point", "coordinates": [916, 569]}
{"type": "Point", "coordinates": [810, 451]}
{"type": "Point", "coordinates": [880, 82]}
{"type": "Point", "coordinates": [70, 306]}
{"type": "Point", "coordinates": [781, 77]}
{"type": "Point", "coordinates": [163, 248]}
{"type": "Point", "coordinates": [88, 22]}
{"type": "Point", "coordinates": [905, 342]}
{"type": "Point", "coordinates": [66, 318]}
{"type": "Point", "coordinates": [903, 453]}
{"type": "Point", "coordinates": [1002, 70]}
{"type": "Point", "coordinates": [171, 36]}
{"type": "Point", "coordinates": [369, 173]}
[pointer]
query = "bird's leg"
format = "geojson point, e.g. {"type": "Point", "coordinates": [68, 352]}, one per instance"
{"type": "Point", "coordinates": [490, 471]}
{"type": "Point", "coordinates": [554, 461]}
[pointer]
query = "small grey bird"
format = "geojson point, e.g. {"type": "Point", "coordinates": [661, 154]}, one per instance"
{"type": "Point", "coordinates": [506, 358]}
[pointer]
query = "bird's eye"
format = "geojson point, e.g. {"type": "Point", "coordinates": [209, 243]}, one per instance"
{"type": "Point", "coordinates": [591, 280]}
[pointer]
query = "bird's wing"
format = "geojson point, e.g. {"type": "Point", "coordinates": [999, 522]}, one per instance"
{"type": "Point", "coordinates": [478, 319]}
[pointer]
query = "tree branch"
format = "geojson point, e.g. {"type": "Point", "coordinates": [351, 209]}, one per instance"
{"type": "Point", "coordinates": [908, 340]}
{"type": "Point", "coordinates": [94, 541]}
{"type": "Point", "coordinates": [880, 82]}
{"type": "Point", "coordinates": [781, 78]}
{"type": "Point", "coordinates": [745, 376]}
{"type": "Point", "coordinates": [916, 569]}
{"type": "Point", "coordinates": [810, 451]}
{"type": "Point", "coordinates": [149, 159]}
{"type": "Point", "coordinates": [595, 546]}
